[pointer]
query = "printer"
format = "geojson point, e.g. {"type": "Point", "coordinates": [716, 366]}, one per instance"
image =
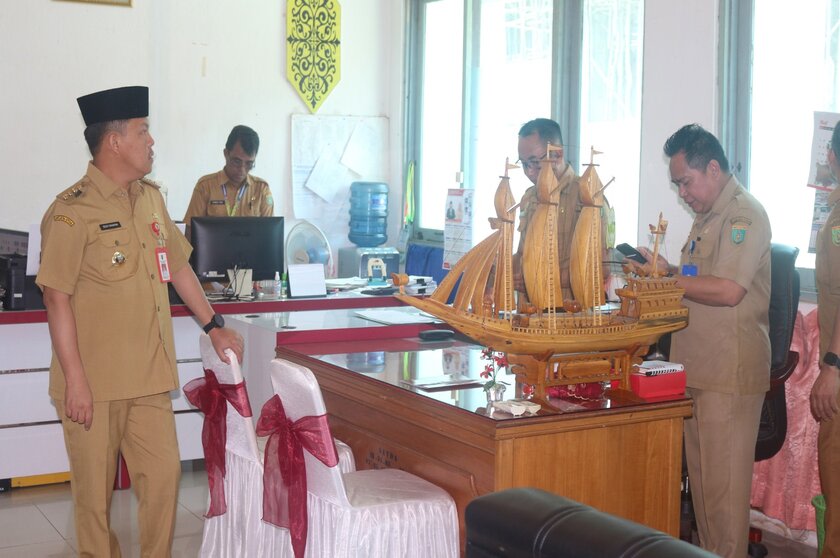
{"type": "Point", "coordinates": [19, 291]}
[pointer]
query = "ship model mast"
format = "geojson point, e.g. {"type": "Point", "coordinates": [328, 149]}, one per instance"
{"type": "Point", "coordinates": [550, 341]}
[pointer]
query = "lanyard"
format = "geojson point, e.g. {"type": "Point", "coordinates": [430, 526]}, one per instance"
{"type": "Point", "coordinates": [231, 211]}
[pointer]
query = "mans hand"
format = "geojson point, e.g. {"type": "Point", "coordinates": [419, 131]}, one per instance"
{"type": "Point", "coordinates": [662, 264]}
{"type": "Point", "coordinates": [78, 403]}
{"type": "Point", "coordinates": [226, 338]}
{"type": "Point", "coordinates": [824, 393]}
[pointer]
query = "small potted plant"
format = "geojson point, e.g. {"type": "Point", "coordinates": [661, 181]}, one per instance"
{"type": "Point", "coordinates": [493, 388]}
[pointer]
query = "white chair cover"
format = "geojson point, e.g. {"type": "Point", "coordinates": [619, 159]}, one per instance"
{"type": "Point", "coordinates": [240, 532]}
{"type": "Point", "coordinates": [365, 514]}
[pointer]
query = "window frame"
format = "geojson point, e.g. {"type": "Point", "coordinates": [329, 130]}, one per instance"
{"type": "Point", "coordinates": [567, 42]}
{"type": "Point", "coordinates": [735, 95]}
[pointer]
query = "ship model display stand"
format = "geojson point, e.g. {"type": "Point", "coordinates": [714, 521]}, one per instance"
{"type": "Point", "coordinates": [550, 341]}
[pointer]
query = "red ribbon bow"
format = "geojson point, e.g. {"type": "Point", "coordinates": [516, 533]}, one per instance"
{"type": "Point", "coordinates": [284, 479]}
{"type": "Point", "coordinates": [212, 398]}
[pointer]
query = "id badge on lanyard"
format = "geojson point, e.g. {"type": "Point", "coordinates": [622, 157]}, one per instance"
{"type": "Point", "coordinates": [231, 211]}
{"type": "Point", "coordinates": [161, 255]}
{"type": "Point", "coordinates": [690, 269]}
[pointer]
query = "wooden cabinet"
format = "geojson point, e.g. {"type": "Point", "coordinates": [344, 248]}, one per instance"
{"type": "Point", "coordinates": [621, 455]}
{"type": "Point", "coordinates": [31, 438]}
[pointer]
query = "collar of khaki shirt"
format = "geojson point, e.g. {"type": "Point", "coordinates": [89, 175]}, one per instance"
{"type": "Point", "coordinates": [108, 187]}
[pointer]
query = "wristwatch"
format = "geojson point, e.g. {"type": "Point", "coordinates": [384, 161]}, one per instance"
{"type": "Point", "coordinates": [832, 359]}
{"type": "Point", "coordinates": [218, 321]}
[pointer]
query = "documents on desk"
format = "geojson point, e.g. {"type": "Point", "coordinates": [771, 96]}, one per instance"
{"type": "Point", "coordinates": [390, 316]}
{"type": "Point", "coordinates": [443, 382]}
{"type": "Point", "coordinates": [346, 283]}
{"type": "Point", "coordinates": [417, 284]}
{"type": "Point", "coordinates": [657, 367]}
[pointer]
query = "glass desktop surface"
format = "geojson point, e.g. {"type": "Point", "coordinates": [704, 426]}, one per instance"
{"type": "Point", "coordinates": [317, 320]}
{"type": "Point", "coordinates": [451, 374]}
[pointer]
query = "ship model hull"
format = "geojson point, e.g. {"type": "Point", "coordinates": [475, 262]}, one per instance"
{"type": "Point", "coordinates": [548, 340]}
{"type": "Point", "coordinates": [570, 332]}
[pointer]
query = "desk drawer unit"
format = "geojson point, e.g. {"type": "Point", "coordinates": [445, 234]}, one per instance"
{"type": "Point", "coordinates": [30, 432]}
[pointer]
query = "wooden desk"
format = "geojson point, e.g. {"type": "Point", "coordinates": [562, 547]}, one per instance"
{"type": "Point", "coordinates": [621, 455]}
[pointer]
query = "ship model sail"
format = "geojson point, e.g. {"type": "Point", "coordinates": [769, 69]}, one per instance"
{"type": "Point", "coordinates": [555, 341]}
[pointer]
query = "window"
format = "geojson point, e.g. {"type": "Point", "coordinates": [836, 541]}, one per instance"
{"type": "Point", "coordinates": [792, 62]}
{"type": "Point", "coordinates": [479, 69]}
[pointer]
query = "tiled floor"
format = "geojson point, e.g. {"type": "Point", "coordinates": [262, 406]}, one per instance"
{"type": "Point", "coordinates": [38, 523]}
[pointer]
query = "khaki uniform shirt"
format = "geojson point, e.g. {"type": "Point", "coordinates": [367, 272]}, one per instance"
{"type": "Point", "coordinates": [828, 272]}
{"type": "Point", "coordinates": [568, 211]}
{"type": "Point", "coordinates": [727, 349]}
{"type": "Point", "coordinates": [121, 310]}
{"type": "Point", "coordinates": [208, 198]}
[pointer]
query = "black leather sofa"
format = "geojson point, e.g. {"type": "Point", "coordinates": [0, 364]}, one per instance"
{"type": "Point", "coordinates": [531, 523]}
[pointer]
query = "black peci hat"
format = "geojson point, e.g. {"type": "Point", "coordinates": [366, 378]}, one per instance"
{"type": "Point", "coordinates": [121, 103]}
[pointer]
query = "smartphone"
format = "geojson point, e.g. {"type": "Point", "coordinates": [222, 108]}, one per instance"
{"type": "Point", "coordinates": [631, 253]}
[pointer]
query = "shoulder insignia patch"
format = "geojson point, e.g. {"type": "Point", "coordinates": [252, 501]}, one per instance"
{"type": "Point", "coordinates": [269, 200]}
{"type": "Point", "coordinates": [75, 191]}
{"type": "Point", "coordinates": [835, 235]}
{"type": "Point", "coordinates": [64, 219]}
{"type": "Point", "coordinates": [739, 233]}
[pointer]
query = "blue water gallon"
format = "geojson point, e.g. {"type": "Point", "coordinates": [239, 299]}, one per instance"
{"type": "Point", "coordinates": [368, 214]}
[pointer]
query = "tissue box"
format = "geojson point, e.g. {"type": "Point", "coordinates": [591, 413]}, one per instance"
{"type": "Point", "coordinates": [658, 386]}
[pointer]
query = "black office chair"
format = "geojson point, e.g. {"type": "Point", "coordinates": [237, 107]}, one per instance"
{"type": "Point", "coordinates": [784, 302]}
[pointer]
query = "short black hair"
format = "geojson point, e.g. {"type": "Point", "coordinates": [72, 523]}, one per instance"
{"type": "Point", "coordinates": [247, 138]}
{"type": "Point", "coordinates": [547, 129]}
{"type": "Point", "coordinates": [835, 141]}
{"type": "Point", "coordinates": [95, 132]}
{"type": "Point", "coordinates": [699, 146]}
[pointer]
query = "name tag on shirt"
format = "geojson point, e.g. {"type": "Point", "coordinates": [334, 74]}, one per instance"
{"type": "Point", "coordinates": [217, 202]}
{"type": "Point", "coordinates": [162, 259]}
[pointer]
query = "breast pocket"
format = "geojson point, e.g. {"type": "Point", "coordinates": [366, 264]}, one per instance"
{"type": "Point", "coordinates": [216, 208]}
{"type": "Point", "coordinates": [117, 255]}
{"type": "Point", "coordinates": [700, 256]}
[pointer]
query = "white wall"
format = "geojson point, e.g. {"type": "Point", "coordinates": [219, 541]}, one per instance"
{"type": "Point", "coordinates": [210, 65]}
{"type": "Point", "coordinates": [680, 87]}
{"type": "Point", "coordinates": [215, 64]}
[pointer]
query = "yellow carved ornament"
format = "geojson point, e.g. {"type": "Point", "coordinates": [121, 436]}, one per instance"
{"type": "Point", "coordinates": [313, 49]}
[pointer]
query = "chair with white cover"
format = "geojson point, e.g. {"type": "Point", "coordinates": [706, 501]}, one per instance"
{"type": "Point", "coordinates": [233, 527]}
{"type": "Point", "coordinates": [372, 513]}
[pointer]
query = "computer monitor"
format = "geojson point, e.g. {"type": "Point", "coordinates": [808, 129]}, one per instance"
{"type": "Point", "coordinates": [222, 243]}
{"type": "Point", "coordinates": [13, 242]}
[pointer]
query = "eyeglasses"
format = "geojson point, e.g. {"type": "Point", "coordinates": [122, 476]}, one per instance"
{"type": "Point", "coordinates": [532, 163]}
{"type": "Point", "coordinates": [237, 162]}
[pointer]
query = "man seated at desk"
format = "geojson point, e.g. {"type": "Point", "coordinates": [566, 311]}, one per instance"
{"type": "Point", "coordinates": [534, 138]}
{"type": "Point", "coordinates": [232, 190]}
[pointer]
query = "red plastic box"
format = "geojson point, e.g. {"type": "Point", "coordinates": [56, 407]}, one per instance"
{"type": "Point", "coordinates": [661, 385]}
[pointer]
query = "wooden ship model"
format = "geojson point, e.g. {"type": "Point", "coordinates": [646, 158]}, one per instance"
{"type": "Point", "coordinates": [550, 341]}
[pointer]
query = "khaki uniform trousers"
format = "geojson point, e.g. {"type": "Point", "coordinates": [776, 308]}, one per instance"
{"type": "Point", "coordinates": [143, 429]}
{"type": "Point", "coordinates": [720, 451]}
{"type": "Point", "coordinates": [828, 447]}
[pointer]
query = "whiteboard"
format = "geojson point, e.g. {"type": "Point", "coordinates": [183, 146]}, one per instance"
{"type": "Point", "coordinates": [328, 154]}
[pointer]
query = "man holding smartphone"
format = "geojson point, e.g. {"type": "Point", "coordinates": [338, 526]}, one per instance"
{"type": "Point", "coordinates": [725, 271]}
